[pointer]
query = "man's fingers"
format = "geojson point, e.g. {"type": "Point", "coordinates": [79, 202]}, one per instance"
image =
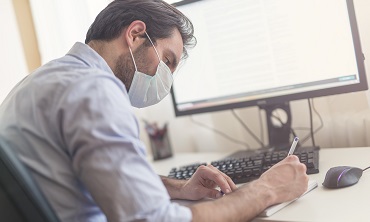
{"type": "Point", "coordinates": [292, 158]}
{"type": "Point", "coordinates": [228, 179]}
{"type": "Point", "coordinates": [214, 194]}
{"type": "Point", "coordinates": [210, 174]}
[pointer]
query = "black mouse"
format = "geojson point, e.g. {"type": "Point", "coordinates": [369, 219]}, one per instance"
{"type": "Point", "coordinates": [342, 176]}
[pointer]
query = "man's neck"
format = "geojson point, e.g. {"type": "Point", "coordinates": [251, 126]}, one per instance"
{"type": "Point", "coordinates": [107, 50]}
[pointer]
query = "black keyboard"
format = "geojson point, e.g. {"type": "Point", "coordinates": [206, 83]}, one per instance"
{"type": "Point", "coordinates": [245, 166]}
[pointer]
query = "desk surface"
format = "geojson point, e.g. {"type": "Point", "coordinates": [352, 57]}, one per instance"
{"type": "Point", "coordinates": [345, 204]}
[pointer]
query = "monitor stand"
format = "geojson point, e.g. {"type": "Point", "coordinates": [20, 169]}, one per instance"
{"type": "Point", "coordinates": [279, 123]}
{"type": "Point", "coordinates": [279, 129]}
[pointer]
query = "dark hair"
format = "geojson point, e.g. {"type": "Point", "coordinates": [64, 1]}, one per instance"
{"type": "Point", "coordinates": [160, 19]}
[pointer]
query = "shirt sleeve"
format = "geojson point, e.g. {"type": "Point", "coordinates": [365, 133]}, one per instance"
{"type": "Point", "coordinates": [101, 136]}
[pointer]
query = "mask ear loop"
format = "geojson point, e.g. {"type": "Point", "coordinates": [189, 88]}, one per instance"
{"type": "Point", "coordinates": [153, 46]}
{"type": "Point", "coordinates": [132, 58]}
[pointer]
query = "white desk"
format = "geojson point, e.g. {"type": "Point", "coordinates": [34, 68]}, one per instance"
{"type": "Point", "coordinates": [346, 204]}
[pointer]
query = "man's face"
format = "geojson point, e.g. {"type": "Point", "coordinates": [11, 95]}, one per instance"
{"type": "Point", "coordinates": [169, 50]}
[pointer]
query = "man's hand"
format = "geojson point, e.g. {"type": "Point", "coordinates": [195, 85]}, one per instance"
{"type": "Point", "coordinates": [201, 185]}
{"type": "Point", "coordinates": [204, 181]}
{"type": "Point", "coordinates": [286, 180]}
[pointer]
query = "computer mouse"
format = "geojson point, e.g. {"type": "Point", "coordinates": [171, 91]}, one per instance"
{"type": "Point", "coordinates": [342, 176]}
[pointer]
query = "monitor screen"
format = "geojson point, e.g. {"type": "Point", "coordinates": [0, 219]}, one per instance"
{"type": "Point", "coordinates": [260, 52]}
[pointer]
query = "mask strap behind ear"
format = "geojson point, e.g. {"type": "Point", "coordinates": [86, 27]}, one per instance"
{"type": "Point", "coordinates": [153, 45]}
{"type": "Point", "coordinates": [132, 58]}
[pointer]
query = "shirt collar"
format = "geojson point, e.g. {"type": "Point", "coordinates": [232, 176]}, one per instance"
{"type": "Point", "coordinates": [89, 56]}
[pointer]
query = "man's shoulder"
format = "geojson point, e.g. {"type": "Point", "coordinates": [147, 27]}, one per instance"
{"type": "Point", "coordinates": [67, 71]}
{"type": "Point", "coordinates": [65, 78]}
{"type": "Point", "coordinates": [70, 68]}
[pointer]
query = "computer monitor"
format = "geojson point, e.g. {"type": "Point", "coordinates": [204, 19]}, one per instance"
{"type": "Point", "coordinates": [266, 53]}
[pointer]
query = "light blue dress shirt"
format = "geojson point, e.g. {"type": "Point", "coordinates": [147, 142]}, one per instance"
{"type": "Point", "coordinates": [71, 122]}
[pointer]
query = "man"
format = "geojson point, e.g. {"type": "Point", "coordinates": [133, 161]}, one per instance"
{"type": "Point", "coordinates": [72, 125]}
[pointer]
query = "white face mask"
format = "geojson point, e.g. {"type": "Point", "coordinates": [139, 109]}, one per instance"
{"type": "Point", "coordinates": [146, 90]}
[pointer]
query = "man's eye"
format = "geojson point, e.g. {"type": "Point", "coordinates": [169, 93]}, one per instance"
{"type": "Point", "coordinates": [167, 61]}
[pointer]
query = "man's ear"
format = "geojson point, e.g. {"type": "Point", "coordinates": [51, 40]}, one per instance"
{"type": "Point", "coordinates": [134, 34]}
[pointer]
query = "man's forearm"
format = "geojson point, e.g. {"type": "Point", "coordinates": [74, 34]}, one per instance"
{"type": "Point", "coordinates": [241, 205]}
{"type": "Point", "coordinates": [174, 187]}
{"type": "Point", "coordinates": [284, 181]}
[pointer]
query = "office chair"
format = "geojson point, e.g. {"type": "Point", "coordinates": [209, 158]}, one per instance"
{"type": "Point", "coordinates": [21, 200]}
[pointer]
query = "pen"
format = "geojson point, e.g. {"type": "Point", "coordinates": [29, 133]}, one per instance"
{"type": "Point", "coordinates": [294, 144]}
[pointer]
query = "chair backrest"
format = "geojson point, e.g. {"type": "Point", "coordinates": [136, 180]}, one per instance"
{"type": "Point", "coordinates": [21, 200]}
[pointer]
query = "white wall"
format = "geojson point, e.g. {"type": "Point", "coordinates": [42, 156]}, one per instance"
{"type": "Point", "coordinates": [67, 22]}
{"type": "Point", "coordinates": [13, 66]}
{"type": "Point", "coordinates": [345, 116]}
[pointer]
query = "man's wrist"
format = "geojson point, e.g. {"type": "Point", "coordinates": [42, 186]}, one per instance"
{"type": "Point", "coordinates": [263, 191]}
{"type": "Point", "coordinates": [174, 187]}
{"type": "Point", "coordinates": [243, 204]}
